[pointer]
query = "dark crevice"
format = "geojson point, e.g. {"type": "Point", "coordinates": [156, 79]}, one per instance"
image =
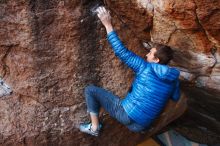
{"type": "Point", "coordinates": [37, 6]}
{"type": "Point", "coordinates": [43, 52]}
{"type": "Point", "coordinates": [90, 50]}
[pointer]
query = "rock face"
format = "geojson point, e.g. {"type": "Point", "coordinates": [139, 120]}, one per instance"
{"type": "Point", "coordinates": [51, 50]}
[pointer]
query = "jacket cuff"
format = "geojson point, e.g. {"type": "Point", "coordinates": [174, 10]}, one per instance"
{"type": "Point", "coordinates": [111, 33]}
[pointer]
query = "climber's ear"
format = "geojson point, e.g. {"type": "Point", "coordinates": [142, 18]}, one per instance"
{"type": "Point", "coordinates": [156, 60]}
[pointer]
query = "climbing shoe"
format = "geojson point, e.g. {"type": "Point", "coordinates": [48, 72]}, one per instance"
{"type": "Point", "coordinates": [87, 128]}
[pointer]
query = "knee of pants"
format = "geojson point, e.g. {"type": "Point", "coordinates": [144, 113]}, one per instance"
{"type": "Point", "coordinates": [89, 89]}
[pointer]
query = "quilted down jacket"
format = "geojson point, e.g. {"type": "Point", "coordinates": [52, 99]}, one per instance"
{"type": "Point", "coordinates": [153, 85]}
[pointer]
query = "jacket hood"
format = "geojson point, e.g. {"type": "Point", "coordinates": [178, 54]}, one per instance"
{"type": "Point", "coordinates": [165, 72]}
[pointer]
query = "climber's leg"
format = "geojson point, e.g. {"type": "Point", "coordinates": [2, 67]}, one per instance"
{"type": "Point", "coordinates": [97, 97]}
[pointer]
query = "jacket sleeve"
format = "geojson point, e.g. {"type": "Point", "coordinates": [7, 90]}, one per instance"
{"type": "Point", "coordinates": [135, 62]}
{"type": "Point", "coordinates": [176, 92]}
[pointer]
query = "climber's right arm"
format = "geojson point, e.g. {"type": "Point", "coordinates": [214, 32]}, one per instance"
{"type": "Point", "coordinates": [176, 91]}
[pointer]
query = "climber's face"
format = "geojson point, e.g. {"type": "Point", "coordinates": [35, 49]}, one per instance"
{"type": "Point", "coordinates": [150, 56]}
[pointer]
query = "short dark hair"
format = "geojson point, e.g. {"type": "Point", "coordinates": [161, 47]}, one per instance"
{"type": "Point", "coordinates": [164, 53]}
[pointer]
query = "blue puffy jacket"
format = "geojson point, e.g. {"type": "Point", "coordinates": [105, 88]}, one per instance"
{"type": "Point", "coordinates": [153, 85]}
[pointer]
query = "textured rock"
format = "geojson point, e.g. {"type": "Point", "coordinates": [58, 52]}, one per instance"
{"type": "Point", "coordinates": [50, 50]}
{"type": "Point", "coordinates": [192, 29]}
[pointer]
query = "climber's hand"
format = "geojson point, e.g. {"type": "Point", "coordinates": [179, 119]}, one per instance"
{"type": "Point", "coordinates": [104, 16]}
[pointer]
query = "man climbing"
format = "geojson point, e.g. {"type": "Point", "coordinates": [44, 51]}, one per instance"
{"type": "Point", "coordinates": [154, 84]}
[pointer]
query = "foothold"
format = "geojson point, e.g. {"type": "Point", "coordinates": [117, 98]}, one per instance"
{"type": "Point", "coordinates": [4, 89]}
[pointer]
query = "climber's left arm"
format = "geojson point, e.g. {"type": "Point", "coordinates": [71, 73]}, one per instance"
{"type": "Point", "coordinates": [135, 62]}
